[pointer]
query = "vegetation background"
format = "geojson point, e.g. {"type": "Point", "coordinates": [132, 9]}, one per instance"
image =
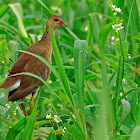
{"type": "Point", "coordinates": [93, 91]}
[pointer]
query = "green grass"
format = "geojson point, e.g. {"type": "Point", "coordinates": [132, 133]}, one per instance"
{"type": "Point", "coordinates": [94, 86]}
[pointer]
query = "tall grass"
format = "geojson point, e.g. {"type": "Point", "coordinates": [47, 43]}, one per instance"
{"type": "Point", "coordinates": [94, 84]}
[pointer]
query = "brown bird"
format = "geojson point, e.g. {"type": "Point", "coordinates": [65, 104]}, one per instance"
{"type": "Point", "coordinates": [22, 85]}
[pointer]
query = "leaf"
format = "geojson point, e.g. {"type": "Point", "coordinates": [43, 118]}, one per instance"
{"type": "Point", "coordinates": [106, 110]}
{"type": "Point", "coordinates": [61, 70]}
{"type": "Point", "coordinates": [75, 37]}
{"type": "Point", "coordinates": [64, 79]}
{"type": "Point", "coordinates": [7, 122]}
{"type": "Point", "coordinates": [92, 94]}
{"type": "Point", "coordinates": [27, 133]}
{"type": "Point", "coordinates": [3, 10]}
{"type": "Point", "coordinates": [4, 57]}
{"type": "Point", "coordinates": [90, 118]}
{"type": "Point", "coordinates": [43, 122]}
{"type": "Point", "coordinates": [133, 100]}
{"type": "Point", "coordinates": [124, 47]}
{"type": "Point", "coordinates": [79, 72]}
{"type": "Point", "coordinates": [134, 57]}
{"type": "Point", "coordinates": [3, 99]}
{"type": "Point", "coordinates": [135, 134]}
{"type": "Point", "coordinates": [125, 122]}
{"type": "Point", "coordinates": [9, 28]}
{"type": "Point", "coordinates": [113, 61]}
{"type": "Point", "coordinates": [13, 132]}
{"type": "Point", "coordinates": [126, 110]}
{"type": "Point", "coordinates": [94, 25]}
{"type": "Point", "coordinates": [72, 133]}
{"type": "Point", "coordinates": [49, 12]}
{"type": "Point", "coordinates": [18, 11]}
{"type": "Point", "coordinates": [51, 136]}
{"type": "Point", "coordinates": [119, 80]}
{"type": "Point", "coordinates": [128, 72]}
{"type": "Point", "coordinates": [122, 136]}
{"type": "Point", "coordinates": [11, 109]}
{"type": "Point", "coordinates": [18, 40]}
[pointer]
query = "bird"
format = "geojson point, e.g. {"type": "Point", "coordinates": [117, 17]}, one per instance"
{"type": "Point", "coordinates": [20, 86]}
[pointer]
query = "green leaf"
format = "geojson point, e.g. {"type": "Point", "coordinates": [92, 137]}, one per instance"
{"type": "Point", "coordinates": [119, 80]}
{"type": "Point", "coordinates": [3, 99]}
{"type": "Point", "coordinates": [64, 79]}
{"type": "Point", "coordinates": [94, 25]}
{"type": "Point", "coordinates": [11, 109]}
{"type": "Point", "coordinates": [90, 118]}
{"type": "Point", "coordinates": [72, 133]}
{"type": "Point", "coordinates": [10, 28]}
{"type": "Point", "coordinates": [106, 110]}
{"type": "Point", "coordinates": [126, 110]}
{"type": "Point", "coordinates": [7, 122]}
{"type": "Point", "coordinates": [13, 132]}
{"type": "Point", "coordinates": [18, 11]}
{"type": "Point", "coordinates": [135, 107]}
{"type": "Point", "coordinates": [27, 133]}
{"type": "Point", "coordinates": [135, 134]}
{"type": "Point", "coordinates": [49, 12]}
{"type": "Point", "coordinates": [51, 136]}
{"type": "Point", "coordinates": [124, 47]}
{"type": "Point", "coordinates": [4, 57]}
{"type": "Point", "coordinates": [43, 122]}
{"type": "Point", "coordinates": [92, 94]}
{"type": "Point", "coordinates": [3, 10]}
{"type": "Point", "coordinates": [75, 37]}
{"type": "Point", "coordinates": [79, 72]}
{"type": "Point", "coordinates": [61, 70]}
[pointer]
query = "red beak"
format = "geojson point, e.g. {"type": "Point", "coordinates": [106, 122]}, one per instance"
{"type": "Point", "coordinates": [63, 24]}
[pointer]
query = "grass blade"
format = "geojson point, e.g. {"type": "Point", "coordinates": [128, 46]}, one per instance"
{"type": "Point", "coordinates": [7, 122]}
{"type": "Point", "coordinates": [61, 70]}
{"type": "Point", "coordinates": [45, 7]}
{"type": "Point", "coordinates": [79, 70]}
{"type": "Point", "coordinates": [119, 80]}
{"type": "Point", "coordinates": [13, 132]}
{"type": "Point", "coordinates": [17, 9]}
{"type": "Point", "coordinates": [105, 110]}
{"type": "Point", "coordinates": [63, 76]}
{"type": "Point", "coordinates": [11, 109]}
{"type": "Point", "coordinates": [3, 10]}
{"type": "Point", "coordinates": [27, 133]}
{"type": "Point", "coordinates": [10, 28]}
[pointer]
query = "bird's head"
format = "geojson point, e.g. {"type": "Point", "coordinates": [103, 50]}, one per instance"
{"type": "Point", "coordinates": [56, 21]}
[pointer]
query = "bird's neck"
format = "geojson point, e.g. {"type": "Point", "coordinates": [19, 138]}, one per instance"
{"type": "Point", "coordinates": [47, 43]}
{"type": "Point", "coordinates": [46, 36]}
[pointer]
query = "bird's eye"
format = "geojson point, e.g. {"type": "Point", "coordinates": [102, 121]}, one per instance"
{"type": "Point", "coordinates": [55, 19]}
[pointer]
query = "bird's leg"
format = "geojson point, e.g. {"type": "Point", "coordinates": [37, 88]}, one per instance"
{"type": "Point", "coordinates": [23, 108]}
{"type": "Point", "coordinates": [31, 108]}
{"type": "Point", "coordinates": [32, 102]}
{"type": "Point", "coordinates": [32, 99]}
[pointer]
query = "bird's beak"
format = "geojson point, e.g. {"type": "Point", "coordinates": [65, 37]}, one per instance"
{"type": "Point", "coordinates": [63, 24]}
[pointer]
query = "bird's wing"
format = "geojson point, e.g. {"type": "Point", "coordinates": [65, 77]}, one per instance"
{"type": "Point", "coordinates": [12, 83]}
{"type": "Point", "coordinates": [20, 94]}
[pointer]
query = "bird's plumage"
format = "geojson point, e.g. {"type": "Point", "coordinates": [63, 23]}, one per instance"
{"type": "Point", "coordinates": [21, 86]}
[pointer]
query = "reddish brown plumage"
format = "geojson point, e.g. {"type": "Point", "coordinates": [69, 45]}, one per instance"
{"type": "Point", "coordinates": [29, 63]}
